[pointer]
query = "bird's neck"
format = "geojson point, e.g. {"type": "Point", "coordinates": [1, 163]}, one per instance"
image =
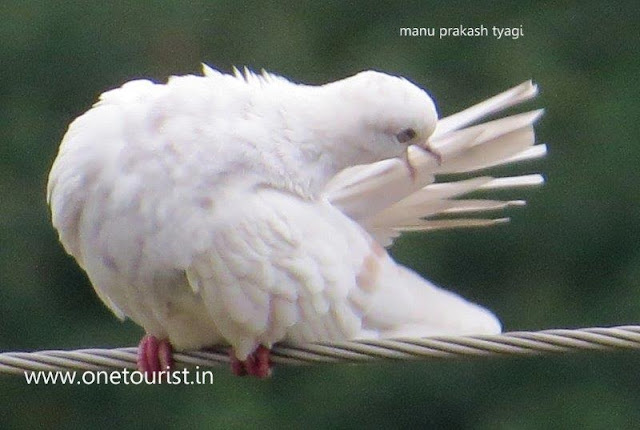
{"type": "Point", "coordinates": [319, 142]}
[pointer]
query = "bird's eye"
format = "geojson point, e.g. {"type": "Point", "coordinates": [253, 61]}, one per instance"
{"type": "Point", "coordinates": [406, 135]}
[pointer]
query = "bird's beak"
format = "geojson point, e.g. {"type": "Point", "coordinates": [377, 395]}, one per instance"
{"type": "Point", "coordinates": [425, 147]}
{"type": "Point", "coordinates": [410, 168]}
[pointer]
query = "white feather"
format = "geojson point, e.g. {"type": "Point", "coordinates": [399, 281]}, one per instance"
{"type": "Point", "coordinates": [385, 199]}
{"type": "Point", "coordinates": [202, 208]}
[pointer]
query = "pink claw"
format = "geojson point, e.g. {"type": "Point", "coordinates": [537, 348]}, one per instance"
{"type": "Point", "coordinates": [154, 355]}
{"type": "Point", "coordinates": [257, 364]}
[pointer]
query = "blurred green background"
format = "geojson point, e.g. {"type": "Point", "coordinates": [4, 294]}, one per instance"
{"type": "Point", "coordinates": [569, 259]}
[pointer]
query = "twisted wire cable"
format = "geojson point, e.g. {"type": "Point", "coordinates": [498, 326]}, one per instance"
{"type": "Point", "coordinates": [519, 343]}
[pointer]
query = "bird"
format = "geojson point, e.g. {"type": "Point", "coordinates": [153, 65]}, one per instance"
{"type": "Point", "coordinates": [246, 210]}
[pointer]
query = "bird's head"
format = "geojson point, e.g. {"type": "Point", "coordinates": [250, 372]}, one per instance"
{"type": "Point", "coordinates": [383, 115]}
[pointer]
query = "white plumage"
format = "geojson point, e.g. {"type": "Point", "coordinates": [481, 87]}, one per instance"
{"type": "Point", "coordinates": [211, 209]}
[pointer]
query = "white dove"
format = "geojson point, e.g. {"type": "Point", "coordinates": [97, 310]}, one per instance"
{"type": "Point", "coordinates": [216, 209]}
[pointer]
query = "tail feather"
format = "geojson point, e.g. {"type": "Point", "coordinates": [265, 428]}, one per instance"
{"type": "Point", "coordinates": [535, 152]}
{"type": "Point", "coordinates": [477, 205]}
{"type": "Point", "coordinates": [447, 224]}
{"type": "Point", "coordinates": [417, 308]}
{"type": "Point", "coordinates": [513, 182]}
{"type": "Point", "coordinates": [491, 129]}
{"type": "Point", "coordinates": [502, 101]}
{"type": "Point", "coordinates": [362, 191]}
{"type": "Point", "coordinates": [490, 153]}
{"type": "Point", "coordinates": [428, 201]}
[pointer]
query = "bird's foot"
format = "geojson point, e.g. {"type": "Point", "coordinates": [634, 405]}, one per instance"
{"type": "Point", "coordinates": [154, 355]}
{"type": "Point", "coordinates": [257, 364]}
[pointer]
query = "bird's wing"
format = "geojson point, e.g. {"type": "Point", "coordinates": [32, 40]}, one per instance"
{"type": "Point", "coordinates": [387, 200]}
{"type": "Point", "coordinates": [282, 268]}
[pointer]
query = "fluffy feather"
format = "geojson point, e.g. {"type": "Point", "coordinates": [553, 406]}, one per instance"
{"type": "Point", "coordinates": [202, 208]}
